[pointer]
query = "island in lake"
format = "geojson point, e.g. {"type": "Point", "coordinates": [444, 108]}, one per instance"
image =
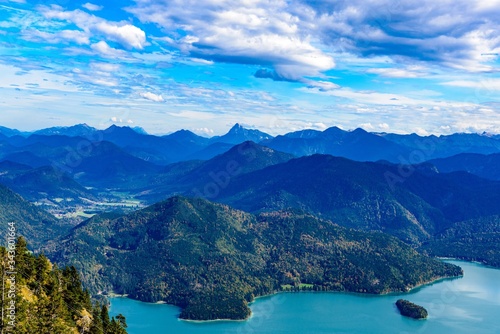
{"type": "Point", "coordinates": [408, 309]}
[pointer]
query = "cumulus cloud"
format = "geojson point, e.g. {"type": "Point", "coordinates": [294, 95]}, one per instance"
{"type": "Point", "coordinates": [204, 131]}
{"type": "Point", "coordinates": [322, 86]}
{"type": "Point", "coordinates": [92, 7]}
{"type": "Point", "coordinates": [129, 36]}
{"type": "Point", "coordinates": [258, 32]}
{"type": "Point", "coordinates": [152, 97]}
{"type": "Point", "coordinates": [103, 49]}
{"type": "Point", "coordinates": [299, 38]}
{"type": "Point", "coordinates": [450, 33]}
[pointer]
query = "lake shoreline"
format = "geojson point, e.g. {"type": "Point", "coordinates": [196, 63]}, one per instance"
{"type": "Point", "coordinates": [302, 314]}
{"type": "Point", "coordinates": [413, 289]}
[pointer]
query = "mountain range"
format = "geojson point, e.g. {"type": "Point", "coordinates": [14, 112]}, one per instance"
{"type": "Point", "coordinates": [184, 145]}
{"type": "Point", "coordinates": [329, 210]}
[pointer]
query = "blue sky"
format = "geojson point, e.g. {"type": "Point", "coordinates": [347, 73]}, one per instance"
{"type": "Point", "coordinates": [386, 66]}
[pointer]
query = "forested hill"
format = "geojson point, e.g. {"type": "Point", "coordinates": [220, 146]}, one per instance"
{"type": "Point", "coordinates": [30, 221]}
{"type": "Point", "coordinates": [40, 298]}
{"type": "Point", "coordinates": [211, 260]}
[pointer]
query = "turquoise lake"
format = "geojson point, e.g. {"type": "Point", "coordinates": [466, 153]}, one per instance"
{"type": "Point", "coordinates": [470, 304]}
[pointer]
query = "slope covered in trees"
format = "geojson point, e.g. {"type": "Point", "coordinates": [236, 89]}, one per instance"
{"type": "Point", "coordinates": [211, 260]}
{"type": "Point", "coordinates": [412, 204]}
{"type": "Point", "coordinates": [472, 240]}
{"type": "Point", "coordinates": [40, 298]}
{"type": "Point", "coordinates": [30, 221]}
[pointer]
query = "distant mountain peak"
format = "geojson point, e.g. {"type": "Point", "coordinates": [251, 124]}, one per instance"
{"type": "Point", "coordinates": [136, 129]}
{"type": "Point", "coordinates": [238, 134]}
{"type": "Point", "coordinates": [236, 127]}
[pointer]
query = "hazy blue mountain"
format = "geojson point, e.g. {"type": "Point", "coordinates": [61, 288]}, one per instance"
{"type": "Point", "coordinates": [156, 149]}
{"type": "Point", "coordinates": [97, 163]}
{"type": "Point", "coordinates": [26, 158]}
{"type": "Point", "coordinates": [185, 145]}
{"type": "Point", "coordinates": [486, 166]}
{"type": "Point", "coordinates": [356, 145]}
{"type": "Point", "coordinates": [50, 140]}
{"type": "Point", "coordinates": [432, 147]}
{"type": "Point", "coordinates": [352, 194]}
{"type": "Point", "coordinates": [36, 184]}
{"type": "Point", "coordinates": [242, 158]}
{"type": "Point", "coordinates": [307, 134]}
{"type": "Point", "coordinates": [6, 147]}
{"type": "Point", "coordinates": [9, 167]}
{"type": "Point", "coordinates": [365, 195]}
{"type": "Point", "coordinates": [186, 136]}
{"type": "Point", "coordinates": [211, 260]}
{"type": "Point", "coordinates": [210, 151]}
{"type": "Point", "coordinates": [458, 195]}
{"type": "Point", "coordinates": [238, 134]}
{"type": "Point", "coordinates": [12, 132]}
{"type": "Point", "coordinates": [208, 176]}
{"type": "Point", "coordinates": [79, 130]}
{"type": "Point", "coordinates": [108, 165]}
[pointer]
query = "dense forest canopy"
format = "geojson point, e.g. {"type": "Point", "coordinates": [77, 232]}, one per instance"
{"type": "Point", "coordinates": [41, 298]}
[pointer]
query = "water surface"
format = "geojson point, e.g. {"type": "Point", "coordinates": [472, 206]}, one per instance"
{"type": "Point", "coordinates": [465, 305]}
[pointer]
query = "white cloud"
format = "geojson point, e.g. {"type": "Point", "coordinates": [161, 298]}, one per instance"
{"type": "Point", "coordinates": [484, 85]}
{"type": "Point", "coordinates": [390, 72]}
{"type": "Point", "coordinates": [384, 126]}
{"type": "Point", "coordinates": [105, 50]}
{"type": "Point", "coordinates": [129, 36]}
{"type": "Point", "coordinates": [319, 126]}
{"type": "Point", "coordinates": [105, 67]}
{"type": "Point", "coordinates": [152, 97]}
{"type": "Point", "coordinates": [259, 32]}
{"type": "Point", "coordinates": [450, 33]}
{"type": "Point", "coordinates": [202, 61]}
{"type": "Point", "coordinates": [321, 85]}
{"type": "Point", "coordinates": [204, 131]}
{"type": "Point", "coordinates": [366, 126]}
{"type": "Point", "coordinates": [92, 7]}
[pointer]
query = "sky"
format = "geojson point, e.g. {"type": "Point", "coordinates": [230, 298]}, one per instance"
{"type": "Point", "coordinates": [426, 66]}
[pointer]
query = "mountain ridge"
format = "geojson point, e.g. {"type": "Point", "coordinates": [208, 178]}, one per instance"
{"type": "Point", "coordinates": [211, 260]}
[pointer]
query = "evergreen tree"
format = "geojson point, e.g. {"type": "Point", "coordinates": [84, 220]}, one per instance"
{"type": "Point", "coordinates": [105, 319]}
{"type": "Point", "coordinates": [49, 300]}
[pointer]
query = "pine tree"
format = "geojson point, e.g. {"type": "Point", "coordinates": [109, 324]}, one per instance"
{"type": "Point", "coordinates": [105, 319]}
{"type": "Point", "coordinates": [96, 326]}
{"type": "Point", "coordinates": [49, 300]}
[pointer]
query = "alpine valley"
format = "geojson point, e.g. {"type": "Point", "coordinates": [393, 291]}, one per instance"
{"type": "Point", "coordinates": [209, 224]}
